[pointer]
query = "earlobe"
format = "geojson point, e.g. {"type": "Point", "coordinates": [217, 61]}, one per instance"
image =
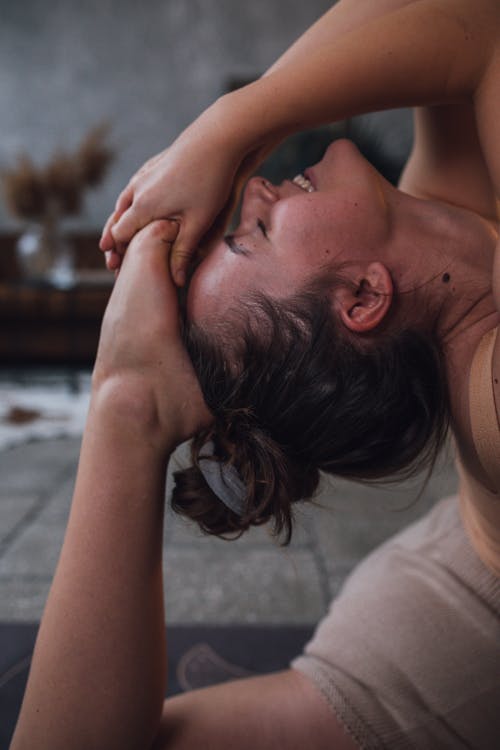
{"type": "Point", "coordinates": [365, 307]}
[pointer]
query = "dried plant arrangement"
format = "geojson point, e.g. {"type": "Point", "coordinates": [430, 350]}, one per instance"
{"type": "Point", "coordinates": [42, 196]}
{"type": "Point", "coordinates": [34, 193]}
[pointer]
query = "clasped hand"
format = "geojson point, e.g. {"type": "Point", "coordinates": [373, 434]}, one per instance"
{"type": "Point", "coordinates": [195, 182]}
{"type": "Point", "coordinates": [141, 358]}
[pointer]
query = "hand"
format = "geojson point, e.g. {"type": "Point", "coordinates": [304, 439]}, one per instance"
{"type": "Point", "coordinates": [191, 183]}
{"type": "Point", "coordinates": [141, 357]}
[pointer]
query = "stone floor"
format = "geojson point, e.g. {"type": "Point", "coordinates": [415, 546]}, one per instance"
{"type": "Point", "coordinates": [251, 580]}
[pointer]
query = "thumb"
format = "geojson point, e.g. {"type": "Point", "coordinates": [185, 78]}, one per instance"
{"type": "Point", "coordinates": [182, 252]}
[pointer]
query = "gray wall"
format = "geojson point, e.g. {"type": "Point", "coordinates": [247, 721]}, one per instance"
{"type": "Point", "coordinates": [150, 67]}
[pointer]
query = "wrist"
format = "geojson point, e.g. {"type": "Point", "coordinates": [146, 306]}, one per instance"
{"type": "Point", "coordinates": [126, 408]}
{"type": "Point", "coordinates": [249, 120]}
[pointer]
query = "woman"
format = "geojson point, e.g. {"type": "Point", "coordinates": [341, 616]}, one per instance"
{"type": "Point", "coordinates": [408, 655]}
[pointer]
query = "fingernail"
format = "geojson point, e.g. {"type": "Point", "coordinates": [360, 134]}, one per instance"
{"type": "Point", "coordinates": [180, 277]}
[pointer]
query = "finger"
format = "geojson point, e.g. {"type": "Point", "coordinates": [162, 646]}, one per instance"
{"type": "Point", "coordinates": [106, 241]}
{"type": "Point", "coordinates": [113, 260]}
{"type": "Point", "coordinates": [128, 225]}
{"type": "Point", "coordinates": [154, 241]}
{"type": "Point", "coordinates": [124, 200]}
{"type": "Point", "coordinates": [171, 228]}
{"type": "Point", "coordinates": [157, 234]}
{"type": "Point", "coordinates": [182, 252]}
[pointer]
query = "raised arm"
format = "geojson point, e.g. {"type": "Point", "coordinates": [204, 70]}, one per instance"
{"type": "Point", "coordinates": [443, 58]}
{"type": "Point", "coordinates": [359, 57]}
{"type": "Point", "coordinates": [447, 160]}
{"type": "Point", "coordinates": [97, 679]}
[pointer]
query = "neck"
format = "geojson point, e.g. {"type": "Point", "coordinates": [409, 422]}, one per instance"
{"type": "Point", "coordinates": [442, 266]}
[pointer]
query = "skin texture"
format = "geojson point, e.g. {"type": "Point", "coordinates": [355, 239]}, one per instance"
{"type": "Point", "coordinates": [98, 674]}
{"type": "Point", "coordinates": [356, 221]}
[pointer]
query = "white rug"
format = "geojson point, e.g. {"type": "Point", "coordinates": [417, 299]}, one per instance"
{"type": "Point", "coordinates": [41, 408]}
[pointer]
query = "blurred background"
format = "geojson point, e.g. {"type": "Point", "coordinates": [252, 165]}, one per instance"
{"type": "Point", "coordinates": [89, 91]}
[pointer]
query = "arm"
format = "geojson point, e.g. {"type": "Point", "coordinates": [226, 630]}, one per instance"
{"type": "Point", "coordinates": [447, 160]}
{"type": "Point", "coordinates": [443, 59]}
{"type": "Point", "coordinates": [98, 673]}
{"type": "Point", "coordinates": [353, 60]}
{"type": "Point", "coordinates": [97, 678]}
{"type": "Point", "coordinates": [283, 710]}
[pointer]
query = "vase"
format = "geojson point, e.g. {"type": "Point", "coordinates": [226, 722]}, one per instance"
{"type": "Point", "coordinates": [45, 255]}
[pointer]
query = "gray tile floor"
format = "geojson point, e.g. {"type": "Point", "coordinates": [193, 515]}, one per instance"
{"type": "Point", "coordinates": [251, 580]}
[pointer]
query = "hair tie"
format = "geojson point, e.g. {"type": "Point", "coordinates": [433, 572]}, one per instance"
{"type": "Point", "coordinates": [223, 480]}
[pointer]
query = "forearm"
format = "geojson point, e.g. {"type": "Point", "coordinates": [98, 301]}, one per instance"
{"type": "Point", "coordinates": [98, 674]}
{"type": "Point", "coordinates": [422, 52]}
{"type": "Point", "coordinates": [344, 17]}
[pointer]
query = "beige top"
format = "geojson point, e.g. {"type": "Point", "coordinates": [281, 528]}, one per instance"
{"type": "Point", "coordinates": [480, 506]}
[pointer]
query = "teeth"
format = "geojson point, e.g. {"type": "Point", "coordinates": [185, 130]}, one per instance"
{"type": "Point", "coordinates": [303, 183]}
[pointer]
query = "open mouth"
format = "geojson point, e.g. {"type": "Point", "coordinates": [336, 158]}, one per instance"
{"type": "Point", "coordinates": [304, 183]}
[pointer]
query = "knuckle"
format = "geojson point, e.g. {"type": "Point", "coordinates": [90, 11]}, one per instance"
{"type": "Point", "coordinates": [163, 229]}
{"type": "Point", "coordinates": [182, 253]}
{"type": "Point", "coordinates": [140, 202]}
{"type": "Point", "coordinates": [153, 230]}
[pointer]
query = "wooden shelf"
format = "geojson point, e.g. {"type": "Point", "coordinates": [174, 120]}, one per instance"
{"type": "Point", "coordinates": [40, 324]}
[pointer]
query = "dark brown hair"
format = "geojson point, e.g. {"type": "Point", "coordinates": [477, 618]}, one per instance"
{"type": "Point", "coordinates": [307, 396]}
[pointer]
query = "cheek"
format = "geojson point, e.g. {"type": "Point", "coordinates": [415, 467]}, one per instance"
{"type": "Point", "coordinates": [323, 231]}
{"type": "Point", "coordinates": [310, 239]}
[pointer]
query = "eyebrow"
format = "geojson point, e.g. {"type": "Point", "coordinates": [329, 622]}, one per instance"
{"type": "Point", "coordinates": [234, 246]}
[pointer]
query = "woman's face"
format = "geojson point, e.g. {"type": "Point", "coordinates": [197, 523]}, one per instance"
{"type": "Point", "coordinates": [289, 233]}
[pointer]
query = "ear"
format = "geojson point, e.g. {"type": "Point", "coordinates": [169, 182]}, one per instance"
{"type": "Point", "coordinates": [365, 307]}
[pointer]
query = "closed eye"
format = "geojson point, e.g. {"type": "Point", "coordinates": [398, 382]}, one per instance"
{"type": "Point", "coordinates": [262, 227]}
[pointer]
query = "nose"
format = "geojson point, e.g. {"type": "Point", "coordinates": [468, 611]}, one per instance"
{"type": "Point", "coordinates": [259, 187]}
{"type": "Point", "coordinates": [258, 200]}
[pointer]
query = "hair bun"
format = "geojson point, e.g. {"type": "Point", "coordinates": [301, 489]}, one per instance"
{"type": "Point", "coordinates": [223, 480]}
{"type": "Point", "coordinates": [271, 480]}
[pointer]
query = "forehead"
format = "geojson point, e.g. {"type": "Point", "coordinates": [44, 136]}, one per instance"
{"type": "Point", "coordinates": [222, 281]}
